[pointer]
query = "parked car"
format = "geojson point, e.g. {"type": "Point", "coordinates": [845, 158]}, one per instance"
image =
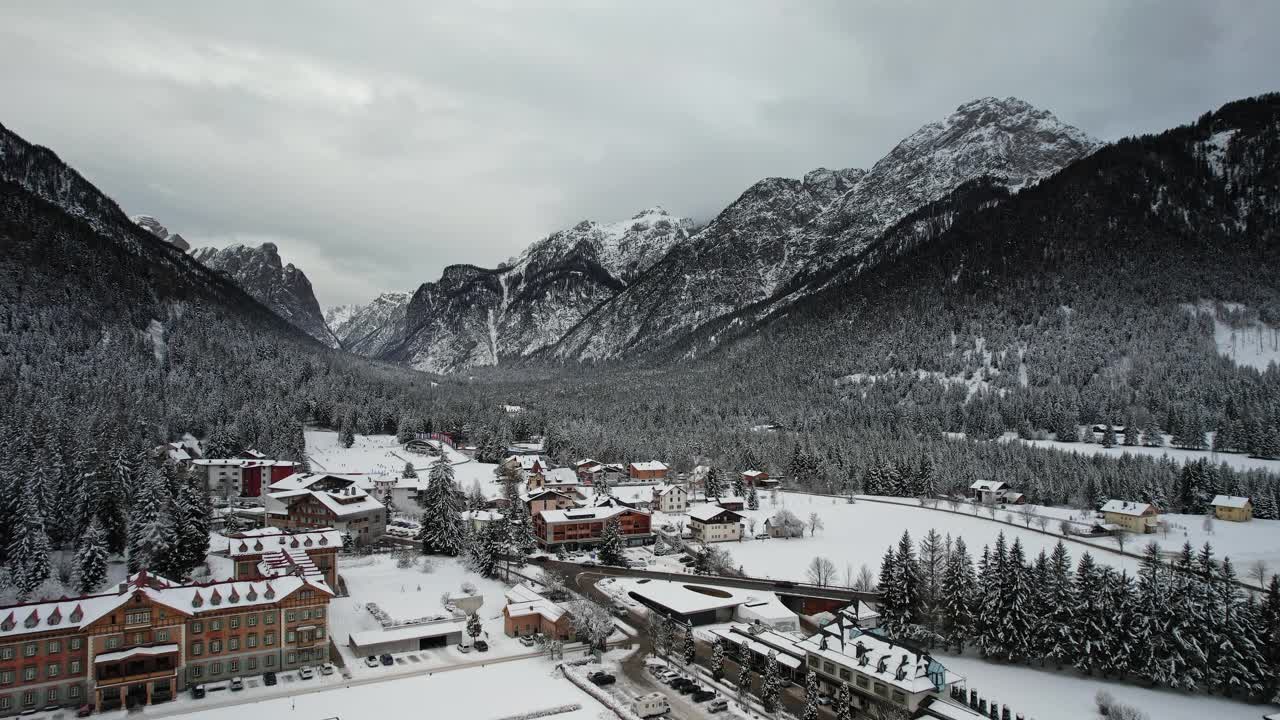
{"type": "Point", "coordinates": [824, 700]}
{"type": "Point", "coordinates": [269, 678]}
{"type": "Point", "coordinates": [481, 645]}
{"type": "Point", "coordinates": [718, 705]}
{"type": "Point", "coordinates": [306, 673]}
{"type": "Point", "coordinates": [689, 688]}
{"type": "Point", "coordinates": [540, 558]}
{"type": "Point", "coordinates": [237, 684]}
{"type": "Point", "coordinates": [387, 659]}
{"type": "Point", "coordinates": [327, 669]}
{"type": "Point", "coordinates": [84, 711]}
{"type": "Point", "coordinates": [762, 536]}
{"type": "Point", "coordinates": [602, 678]}
{"type": "Point", "coordinates": [527, 640]}
{"type": "Point", "coordinates": [464, 648]}
{"type": "Point", "coordinates": [197, 692]}
{"type": "Point", "coordinates": [619, 612]}
{"type": "Point", "coordinates": [702, 695]}
{"type": "Point", "coordinates": [371, 661]}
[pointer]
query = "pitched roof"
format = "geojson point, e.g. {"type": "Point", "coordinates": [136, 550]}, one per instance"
{"type": "Point", "coordinates": [704, 513]}
{"type": "Point", "coordinates": [582, 514]}
{"type": "Point", "coordinates": [1124, 507]}
{"type": "Point", "coordinates": [648, 465]}
{"type": "Point", "coordinates": [264, 540]}
{"type": "Point", "coordinates": [1230, 501]}
{"type": "Point", "coordinates": [989, 485]}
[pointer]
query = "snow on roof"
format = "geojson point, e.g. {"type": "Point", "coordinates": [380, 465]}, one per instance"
{"type": "Point", "coordinates": [867, 653]}
{"type": "Point", "coordinates": [760, 648]}
{"type": "Point", "coordinates": [687, 598]}
{"type": "Point", "coordinates": [481, 515]}
{"type": "Point", "coordinates": [988, 485]}
{"type": "Point", "coordinates": [524, 600]}
{"type": "Point", "coordinates": [648, 465]}
{"type": "Point", "coordinates": [134, 652]}
{"type": "Point", "coordinates": [704, 513]}
{"type": "Point", "coordinates": [581, 514]}
{"type": "Point", "coordinates": [768, 609]}
{"type": "Point", "coordinates": [1124, 507]}
{"type": "Point", "coordinates": [405, 632]}
{"type": "Point", "coordinates": [342, 504]}
{"type": "Point", "coordinates": [263, 540]}
{"type": "Point", "coordinates": [664, 489]}
{"type": "Point", "coordinates": [1230, 501]}
{"type": "Point", "coordinates": [944, 708]}
{"type": "Point", "coordinates": [752, 473]}
{"type": "Point", "coordinates": [75, 613]}
{"type": "Point", "coordinates": [561, 476]}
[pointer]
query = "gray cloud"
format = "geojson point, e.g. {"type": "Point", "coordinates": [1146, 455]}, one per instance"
{"type": "Point", "coordinates": [377, 144]}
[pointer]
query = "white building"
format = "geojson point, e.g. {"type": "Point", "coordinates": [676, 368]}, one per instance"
{"type": "Point", "coordinates": [310, 501]}
{"type": "Point", "coordinates": [670, 499]}
{"type": "Point", "coordinates": [712, 523]}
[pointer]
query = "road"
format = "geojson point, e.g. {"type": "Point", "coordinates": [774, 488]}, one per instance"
{"type": "Point", "coordinates": [571, 570]}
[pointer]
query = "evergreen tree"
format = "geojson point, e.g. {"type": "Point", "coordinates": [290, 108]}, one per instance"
{"type": "Point", "coordinates": [611, 543]}
{"type": "Point", "coordinates": [409, 471]}
{"type": "Point", "coordinates": [1118, 643]}
{"type": "Point", "coordinates": [770, 684]}
{"type": "Point", "coordinates": [29, 550]}
{"type": "Point", "coordinates": [958, 591]}
{"type": "Point", "coordinates": [717, 661]}
{"type": "Point", "coordinates": [1090, 621]}
{"type": "Point", "coordinates": [713, 484]}
{"type": "Point", "coordinates": [811, 699]}
{"type": "Point", "coordinates": [486, 547]}
{"type": "Point", "coordinates": [753, 501]}
{"type": "Point", "coordinates": [91, 559]}
{"type": "Point", "coordinates": [842, 705]}
{"type": "Point", "coordinates": [442, 526]}
{"type": "Point", "coordinates": [1185, 628]}
{"type": "Point", "coordinates": [688, 648]}
{"type": "Point", "coordinates": [1057, 640]}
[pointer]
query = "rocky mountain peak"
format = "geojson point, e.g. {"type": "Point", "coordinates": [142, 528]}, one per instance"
{"type": "Point", "coordinates": [153, 226]}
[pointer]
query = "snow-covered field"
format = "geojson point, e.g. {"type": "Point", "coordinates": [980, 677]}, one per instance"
{"type": "Point", "coordinates": [1238, 461]}
{"type": "Point", "coordinates": [1050, 695]}
{"type": "Point", "coordinates": [487, 693]}
{"type": "Point", "coordinates": [406, 594]}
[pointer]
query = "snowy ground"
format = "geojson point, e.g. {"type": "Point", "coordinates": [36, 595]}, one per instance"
{"type": "Point", "coordinates": [1236, 460]}
{"type": "Point", "coordinates": [383, 455]}
{"type": "Point", "coordinates": [410, 593]}
{"type": "Point", "coordinates": [1050, 695]}
{"type": "Point", "coordinates": [522, 686]}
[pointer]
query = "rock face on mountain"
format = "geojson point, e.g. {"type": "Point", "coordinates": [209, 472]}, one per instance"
{"type": "Point", "coordinates": [283, 288]}
{"type": "Point", "coordinates": [781, 232]}
{"type": "Point", "coordinates": [153, 226]}
{"type": "Point", "coordinates": [474, 316]}
{"type": "Point", "coordinates": [369, 329]}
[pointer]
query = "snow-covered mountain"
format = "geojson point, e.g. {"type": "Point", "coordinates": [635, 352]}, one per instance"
{"type": "Point", "coordinates": [153, 226]}
{"type": "Point", "coordinates": [283, 288]}
{"type": "Point", "coordinates": [474, 316]}
{"type": "Point", "coordinates": [781, 232]}
{"type": "Point", "coordinates": [369, 329]}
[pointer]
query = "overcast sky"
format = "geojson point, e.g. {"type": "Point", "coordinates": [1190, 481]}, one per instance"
{"type": "Point", "coordinates": [378, 144]}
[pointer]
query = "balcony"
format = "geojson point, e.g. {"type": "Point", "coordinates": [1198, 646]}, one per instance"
{"type": "Point", "coordinates": [135, 665]}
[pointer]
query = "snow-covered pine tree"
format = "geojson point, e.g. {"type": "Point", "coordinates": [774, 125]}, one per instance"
{"type": "Point", "coordinates": [958, 588]}
{"type": "Point", "coordinates": [811, 697]}
{"type": "Point", "coordinates": [713, 483]}
{"type": "Point", "coordinates": [753, 500]}
{"type": "Point", "coordinates": [994, 581]}
{"type": "Point", "coordinates": [688, 648]}
{"type": "Point", "coordinates": [409, 471]}
{"type": "Point", "coordinates": [1238, 667]}
{"type": "Point", "coordinates": [148, 535]}
{"type": "Point", "coordinates": [1090, 620]}
{"type": "Point", "coordinates": [192, 532]}
{"type": "Point", "coordinates": [738, 486]}
{"type": "Point", "coordinates": [91, 559]}
{"type": "Point", "coordinates": [114, 498]}
{"type": "Point", "coordinates": [717, 661]}
{"type": "Point", "coordinates": [442, 527]}
{"type": "Point", "coordinates": [1015, 608]}
{"type": "Point", "coordinates": [744, 677]}
{"type": "Point", "coordinates": [842, 704]}
{"type": "Point", "coordinates": [29, 549]}
{"type": "Point", "coordinates": [1269, 634]}
{"type": "Point", "coordinates": [486, 547]}
{"type": "Point", "coordinates": [1058, 641]}
{"type": "Point", "coordinates": [1154, 603]}
{"type": "Point", "coordinates": [770, 685]}
{"type": "Point", "coordinates": [473, 626]}
{"type": "Point", "coordinates": [932, 563]}
{"type": "Point", "coordinates": [611, 543]}
{"type": "Point", "coordinates": [1119, 637]}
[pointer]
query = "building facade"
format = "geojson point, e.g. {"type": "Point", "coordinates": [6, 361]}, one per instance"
{"type": "Point", "coordinates": [266, 553]}
{"type": "Point", "coordinates": [584, 527]}
{"type": "Point", "coordinates": [1232, 508]}
{"type": "Point", "coordinates": [241, 477]}
{"type": "Point", "coordinates": [1134, 517]}
{"type": "Point", "coordinates": [670, 499]}
{"type": "Point", "coordinates": [647, 471]}
{"type": "Point", "coordinates": [712, 523]}
{"type": "Point", "coordinates": [152, 638]}
{"type": "Point", "coordinates": [312, 502]}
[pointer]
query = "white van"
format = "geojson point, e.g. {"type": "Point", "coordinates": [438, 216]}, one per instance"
{"type": "Point", "coordinates": [651, 705]}
{"type": "Point", "coordinates": [718, 705]}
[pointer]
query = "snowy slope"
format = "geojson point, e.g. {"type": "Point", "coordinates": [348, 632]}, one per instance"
{"type": "Point", "coordinates": [284, 289]}
{"type": "Point", "coordinates": [782, 231]}
{"type": "Point", "coordinates": [369, 329]}
{"type": "Point", "coordinates": [474, 316]}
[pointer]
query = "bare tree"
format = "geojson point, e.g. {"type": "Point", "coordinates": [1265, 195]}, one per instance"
{"type": "Point", "coordinates": [1258, 571]}
{"type": "Point", "coordinates": [1121, 537]}
{"type": "Point", "coordinates": [953, 503]}
{"type": "Point", "coordinates": [849, 576]}
{"type": "Point", "coordinates": [1207, 525]}
{"type": "Point", "coordinates": [1042, 522]}
{"type": "Point", "coordinates": [592, 623]}
{"type": "Point", "coordinates": [1064, 527]}
{"type": "Point", "coordinates": [815, 523]}
{"type": "Point", "coordinates": [821, 571]}
{"type": "Point", "coordinates": [1028, 517]}
{"type": "Point", "coordinates": [866, 582]}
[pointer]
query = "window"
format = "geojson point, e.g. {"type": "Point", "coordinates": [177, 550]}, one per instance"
{"type": "Point", "coordinates": [51, 670]}
{"type": "Point", "coordinates": [828, 668]}
{"type": "Point", "coordinates": [29, 698]}
{"type": "Point", "coordinates": [162, 636]}
{"type": "Point", "coordinates": [293, 658]}
{"type": "Point", "coordinates": [197, 626]}
{"type": "Point", "coordinates": [55, 646]}
{"type": "Point", "coordinates": [269, 639]}
{"type": "Point", "coordinates": [6, 653]}
{"type": "Point", "coordinates": [197, 648]}
{"type": "Point", "coordinates": [196, 671]}
{"type": "Point", "coordinates": [881, 689]}
{"type": "Point", "coordinates": [317, 613]}
{"type": "Point", "coordinates": [52, 695]}
{"type": "Point", "coordinates": [233, 643]}
{"type": "Point", "coordinates": [235, 623]}
{"type": "Point", "coordinates": [215, 646]}
{"type": "Point", "coordinates": [73, 692]}
{"type": "Point", "coordinates": [217, 668]}
{"type": "Point", "coordinates": [215, 625]}
{"type": "Point", "coordinates": [29, 650]}
{"type": "Point", "coordinates": [29, 673]}
{"type": "Point", "coordinates": [269, 619]}
{"type": "Point", "coordinates": [814, 662]}
{"type": "Point", "coordinates": [862, 681]}
{"type": "Point", "coordinates": [233, 666]}
{"type": "Point", "coordinates": [137, 617]}
{"type": "Point", "coordinates": [253, 663]}
{"type": "Point", "coordinates": [290, 616]}
{"type": "Point", "coordinates": [844, 674]}
{"type": "Point", "coordinates": [253, 621]}
{"type": "Point", "coordinates": [74, 644]}
{"type": "Point", "coordinates": [290, 636]}
{"type": "Point", "coordinates": [252, 640]}
{"type": "Point", "coordinates": [899, 697]}
{"type": "Point", "coordinates": [113, 642]}
{"type": "Point", "coordinates": [6, 677]}
{"type": "Point", "coordinates": [320, 632]}
{"type": "Point", "coordinates": [73, 667]}
{"type": "Point", "coordinates": [139, 638]}
{"type": "Point", "coordinates": [271, 661]}
{"type": "Point", "coordinates": [5, 702]}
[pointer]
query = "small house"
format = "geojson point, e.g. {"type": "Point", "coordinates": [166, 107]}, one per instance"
{"type": "Point", "coordinates": [1135, 517]}
{"type": "Point", "coordinates": [988, 492]}
{"type": "Point", "coordinates": [670, 499]}
{"type": "Point", "coordinates": [712, 523]}
{"type": "Point", "coordinates": [1232, 508]}
{"type": "Point", "coordinates": [649, 470]}
{"type": "Point", "coordinates": [751, 478]}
